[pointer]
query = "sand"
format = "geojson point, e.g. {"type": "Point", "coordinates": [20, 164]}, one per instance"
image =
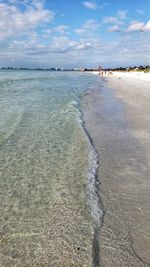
{"type": "Point", "coordinates": [117, 116]}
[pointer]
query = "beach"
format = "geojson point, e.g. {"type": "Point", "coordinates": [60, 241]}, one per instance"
{"type": "Point", "coordinates": [74, 169]}
{"type": "Point", "coordinates": [117, 118]}
{"type": "Point", "coordinates": [74, 133]}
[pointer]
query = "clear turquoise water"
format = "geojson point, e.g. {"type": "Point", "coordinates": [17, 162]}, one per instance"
{"type": "Point", "coordinates": [43, 162]}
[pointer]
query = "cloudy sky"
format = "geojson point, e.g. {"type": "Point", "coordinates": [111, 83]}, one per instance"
{"type": "Point", "coordinates": [73, 33]}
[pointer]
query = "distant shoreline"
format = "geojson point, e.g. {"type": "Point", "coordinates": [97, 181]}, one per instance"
{"type": "Point", "coordinates": [40, 69]}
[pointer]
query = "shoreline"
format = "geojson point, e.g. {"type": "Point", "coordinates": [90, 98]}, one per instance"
{"type": "Point", "coordinates": [94, 202]}
{"type": "Point", "coordinates": [92, 191]}
{"type": "Point", "coordinates": [123, 170]}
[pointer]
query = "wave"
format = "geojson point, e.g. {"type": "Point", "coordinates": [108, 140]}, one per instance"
{"type": "Point", "coordinates": [93, 199]}
{"type": "Point", "coordinates": [92, 188]}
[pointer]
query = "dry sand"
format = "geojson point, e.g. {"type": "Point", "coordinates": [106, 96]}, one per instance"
{"type": "Point", "coordinates": [118, 120]}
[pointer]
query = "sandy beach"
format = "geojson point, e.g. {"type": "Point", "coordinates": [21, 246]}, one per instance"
{"type": "Point", "coordinates": [117, 118]}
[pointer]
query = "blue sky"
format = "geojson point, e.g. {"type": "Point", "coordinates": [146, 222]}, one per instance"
{"type": "Point", "coordinates": [74, 33]}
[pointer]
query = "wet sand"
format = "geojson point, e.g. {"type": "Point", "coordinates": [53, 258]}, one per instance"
{"type": "Point", "coordinates": [117, 118]}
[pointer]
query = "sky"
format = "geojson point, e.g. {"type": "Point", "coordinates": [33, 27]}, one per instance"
{"type": "Point", "coordinates": [74, 33]}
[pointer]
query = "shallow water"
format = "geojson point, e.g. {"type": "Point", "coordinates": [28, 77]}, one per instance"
{"type": "Point", "coordinates": [44, 159]}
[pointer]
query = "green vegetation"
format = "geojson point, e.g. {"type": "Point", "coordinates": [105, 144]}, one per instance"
{"type": "Point", "coordinates": [135, 68]}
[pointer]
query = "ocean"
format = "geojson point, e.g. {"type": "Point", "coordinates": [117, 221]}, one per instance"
{"type": "Point", "coordinates": [47, 168]}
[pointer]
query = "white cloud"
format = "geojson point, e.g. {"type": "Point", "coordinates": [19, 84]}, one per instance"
{"type": "Point", "coordinates": [62, 44]}
{"type": "Point", "coordinates": [135, 26]}
{"type": "Point", "coordinates": [119, 22]}
{"type": "Point", "coordinates": [140, 11]}
{"type": "Point", "coordinates": [57, 45]}
{"type": "Point", "coordinates": [114, 28]}
{"type": "Point", "coordinates": [122, 14]}
{"type": "Point", "coordinates": [87, 51]}
{"type": "Point", "coordinates": [15, 21]}
{"type": "Point", "coordinates": [90, 5]}
{"type": "Point", "coordinates": [83, 46]}
{"type": "Point", "coordinates": [80, 31]}
{"type": "Point", "coordinates": [61, 28]}
{"type": "Point", "coordinates": [146, 26]}
{"type": "Point", "coordinates": [118, 19]}
{"type": "Point", "coordinates": [89, 26]}
{"type": "Point", "coordinates": [138, 26]}
{"type": "Point", "coordinates": [110, 20]}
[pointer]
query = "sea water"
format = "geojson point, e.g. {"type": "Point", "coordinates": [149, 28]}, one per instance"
{"type": "Point", "coordinates": [44, 159]}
